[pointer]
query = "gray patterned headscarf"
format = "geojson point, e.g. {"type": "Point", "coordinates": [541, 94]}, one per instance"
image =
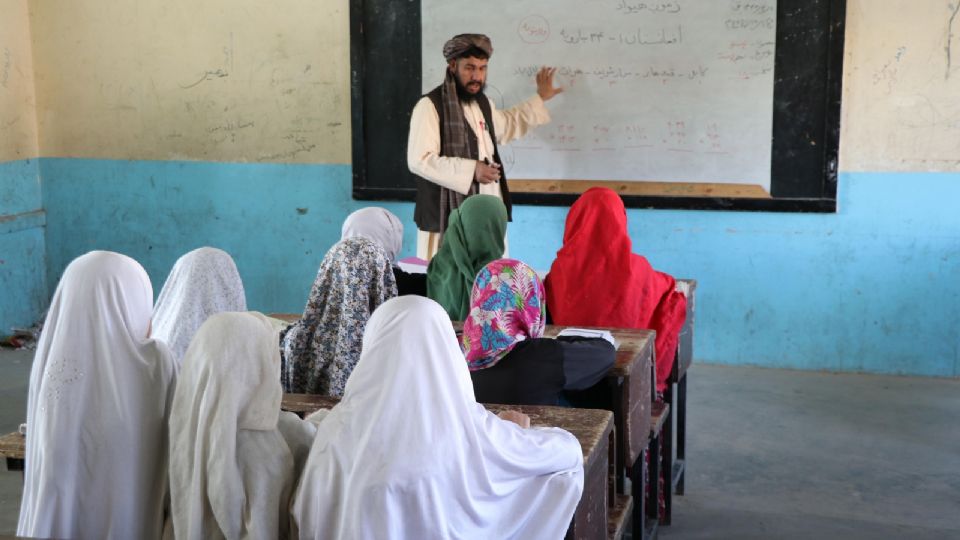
{"type": "Point", "coordinates": [321, 349]}
{"type": "Point", "coordinates": [454, 129]}
{"type": "Point", "coordinates": [202, 283]}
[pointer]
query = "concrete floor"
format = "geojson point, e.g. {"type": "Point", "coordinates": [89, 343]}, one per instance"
{"type": "Point", "coordinates": [772, 454]}
{"type": "Point", "coordinates": [791, 454]}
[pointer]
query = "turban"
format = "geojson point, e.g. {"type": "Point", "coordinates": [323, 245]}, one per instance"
{"type": "Point", "coordinates": [459, 44]}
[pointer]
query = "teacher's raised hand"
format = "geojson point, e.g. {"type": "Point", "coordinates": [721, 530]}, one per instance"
{"type": "Point", "coordinates": [545, 86]}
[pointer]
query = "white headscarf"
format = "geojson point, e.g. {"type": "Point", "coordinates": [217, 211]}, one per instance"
{"type": "Point", "coordinates": [202, 282]}
{"type": "Point", "coordinates": [377, 224]}
{"type": "Point", "coordinates": [231, 469]}
{"type": "Point", "coordinates": [409, 453]}
{"type": "Point", "coordinates": [100, 393]}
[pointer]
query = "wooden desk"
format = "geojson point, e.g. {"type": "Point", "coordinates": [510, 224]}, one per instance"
{"type": "Point", "coordinates": [631, 392]}
{"type": "Point", "coordinates": [592, 427]}
{"type": "Point", "coordinates": [13, 447]}
{"type": "Point", "coordinates": [631, 378]}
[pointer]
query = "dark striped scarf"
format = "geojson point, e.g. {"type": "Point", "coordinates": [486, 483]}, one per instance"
{"type": "Point", "coordinates": [455, 143]}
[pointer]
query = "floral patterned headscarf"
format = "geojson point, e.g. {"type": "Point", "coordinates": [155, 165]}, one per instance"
{"type": "Point", "coordinates": [506, 307]}
{"type": "Point", "coordinates": [320, 350]}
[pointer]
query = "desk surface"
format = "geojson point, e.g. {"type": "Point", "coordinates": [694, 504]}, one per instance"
{"type": "Point", "coordinates": [13, 448]}
{"type": "Point", "coordinates": [590, 426]}
{"type": "Point", "coordinates": [13, 445]}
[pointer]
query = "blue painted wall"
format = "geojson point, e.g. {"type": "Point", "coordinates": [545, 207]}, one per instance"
{"type": "Point", "coordinates": [872, 288]}
{"type": "Point", "coordinates": [23, 290]}
{"type": "Point", "coordinates": [276, 220]}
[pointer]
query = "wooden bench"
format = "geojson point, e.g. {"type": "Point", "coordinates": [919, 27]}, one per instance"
{"type": "Point", "coordinates": [601, 513]}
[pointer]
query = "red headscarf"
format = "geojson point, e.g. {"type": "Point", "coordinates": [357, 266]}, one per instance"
{"type": "Point", "coordinates": [597, 281]}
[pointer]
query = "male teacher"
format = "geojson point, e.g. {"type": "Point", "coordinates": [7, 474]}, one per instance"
{"type": "Point", "coordinates": [454, 132]}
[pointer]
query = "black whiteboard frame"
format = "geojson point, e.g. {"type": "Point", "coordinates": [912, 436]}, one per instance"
{"type": "Point", "coordinates": [385, 61]}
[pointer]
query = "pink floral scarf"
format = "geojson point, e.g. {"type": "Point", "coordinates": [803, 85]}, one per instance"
{"type": "Point", "coordinates": [506, 307]}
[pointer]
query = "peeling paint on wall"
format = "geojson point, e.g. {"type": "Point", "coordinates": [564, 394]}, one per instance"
{"type": "Point", "coordinates": [900, 108]}
{"type": "Point", "coordinates": [949, 47]}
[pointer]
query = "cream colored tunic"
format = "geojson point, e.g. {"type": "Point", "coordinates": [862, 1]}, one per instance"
{"type": "Point", "coordinates": [423, 149]}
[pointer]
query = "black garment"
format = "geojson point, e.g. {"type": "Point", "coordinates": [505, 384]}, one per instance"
{"type": "Point", "coordinates": [410, 282]}
{"type": "Point", "coordinates": [537, 371]}
{"type": "Point", "coordinates": [426, 213]}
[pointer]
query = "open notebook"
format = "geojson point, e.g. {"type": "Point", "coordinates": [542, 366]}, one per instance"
{"type": "Point", "coordinates": [590, 333]}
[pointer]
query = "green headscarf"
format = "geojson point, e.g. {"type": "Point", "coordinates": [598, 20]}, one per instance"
{"type": "Point", "coordinates": [474, 237]}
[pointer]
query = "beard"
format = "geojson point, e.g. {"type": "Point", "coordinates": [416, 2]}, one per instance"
{"type": "Point", "coordinates": [465, 95]}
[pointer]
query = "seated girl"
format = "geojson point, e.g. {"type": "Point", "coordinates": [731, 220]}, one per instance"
{"type": "Point", "coordinates": [474, 237]}
{"type": "Point", "coordinates": [509, 360]}
{"type": "Point", "coordinates": [597, 281]}
{"type": "Point", "coordinates": [99, 400]}
{"type": "Point", "coordinates": [201, 283]}
{"type": "Point", "coordinates": [235, 457]}
{"type": "Point", "coordinates": [320, 350]}
{"type": "Point", "coordinates": [409, 453]}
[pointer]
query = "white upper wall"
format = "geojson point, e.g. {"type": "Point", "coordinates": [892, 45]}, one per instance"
{"type": "Point", "coordinates": [219, 80]}
{"type": "Point", "coordinates": [18, 116]}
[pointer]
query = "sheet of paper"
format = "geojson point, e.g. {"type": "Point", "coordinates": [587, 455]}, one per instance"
{"type": "Point", "coordinates": [590, 333]}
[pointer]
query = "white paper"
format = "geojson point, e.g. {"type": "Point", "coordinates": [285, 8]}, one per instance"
{"type": "Point", "coordinates": [590, 333]}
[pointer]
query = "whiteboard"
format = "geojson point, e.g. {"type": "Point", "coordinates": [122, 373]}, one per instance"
{"type": "Point", "coordinates": [659, 91]}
